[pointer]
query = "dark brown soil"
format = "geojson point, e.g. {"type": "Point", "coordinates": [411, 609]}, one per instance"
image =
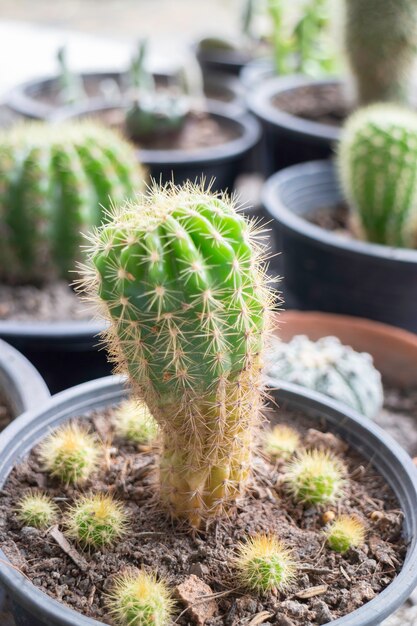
{"type": "Point", "coordinates": [328, 585]}
{"type": "Point", "coordinates": [325, 104]}
{"type": "Point", "coordinates": [6, 415]}
{"type": "Point", "coordinates": [199, 132]}
{"type": "Point", "coordinates": [54, 302]}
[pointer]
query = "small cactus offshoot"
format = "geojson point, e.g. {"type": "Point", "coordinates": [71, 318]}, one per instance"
{"type": "Point", "coordinates": [96, 520]}
{"type": "Point", "coordinates": [181, 279]}
{"type": "Point", "coordinates": [264, 563]}
{"type": "Point", "coordinates": [70, 454]}
{"type": "Point", "coordinates": [140, 600]}
{"type": "Point", "coordinates": [344, 533]}
{"type": "Point", "coordinates": [315, 477]}
{"type": "Point", "coordinates": [134, 423]}
{"type": "Point", "coordinates": [281, 442]}
{"type": "Point", "coordinates": [378, 169]}
{"type": "Point", "coordinates": [37, 510]}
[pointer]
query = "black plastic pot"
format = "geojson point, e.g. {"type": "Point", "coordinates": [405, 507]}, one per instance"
{"type": "Point", "coordinates": [221, 163]}
{"type": "Point", "coordinates": [38, 98]}
{"type": "Point", "coordinates": [256, 72]}
{"type": "Point", "coordinates": [290, 139]}
{"type": "Point", "coordinates": [32, 607]}
{"type": "Point", "coordinates": [21, 385]}
{"type": "Point", "coordinates": [326, 272]}
{"type": "Point", "coordinates": [220, 60]}
{"type": "Point", "coordinates": [65, 353]}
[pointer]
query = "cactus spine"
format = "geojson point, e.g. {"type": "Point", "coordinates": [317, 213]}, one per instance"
{"type": "Point", "coordinates": [55, 182]}
{"type": "Point", "coordinates": [381, 41]}
{"type": "Point", "coordinates": [378, 167]}
{"type": "Point", "coordinates": [183, 284]}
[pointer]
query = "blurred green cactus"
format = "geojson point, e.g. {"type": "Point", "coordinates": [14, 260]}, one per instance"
{"type": "Point", "coordinates": [183, 284]}
{"type": "Point", "coordinates": [56, 182]}
{"type": "Point", "coordinates": [378, 168]}
{"type": "Point", "coordinates": [381, 42]}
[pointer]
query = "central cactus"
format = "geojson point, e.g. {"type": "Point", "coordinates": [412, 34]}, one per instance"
{"type": "Point", "coordinates": [183, 284]}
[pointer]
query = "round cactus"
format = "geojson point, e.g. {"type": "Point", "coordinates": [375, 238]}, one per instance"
{"type": "Point", "coordinates": [56, 182]}
{"type": "Point", "coordinates": [329, 367]}
{"type": "Point", "coordinates": [281, 442]}
{"type": "Point", "coordinates": [315, 477]}
{"type": "Point", "coordinates": [140, 600]}
{"type": "Point", "coordinates": [346, 532]}
{"type": "Point", "coordinates": [264, 564]}
{"type": "Point", "coordinates": [37, 510]}
{"type": "Point", "coordinates": [378, 168]}
{"type": "Point", "coordinates": [184, 288]}
{"type": "Point", "coordinates": [381, 41]}
{"type": "Point", "coordinates": [134, 423]}
{"type": "Point", "coordinates": [96, 520]}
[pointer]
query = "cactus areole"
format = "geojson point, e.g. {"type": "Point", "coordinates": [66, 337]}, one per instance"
{"type": "Point", "coordinates": [183, 284]}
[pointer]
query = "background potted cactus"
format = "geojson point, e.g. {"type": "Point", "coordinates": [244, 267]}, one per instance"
{"type": "Point", "coordinates": [182, 282]}
{"type": "Point", "coordinates": [301, 117]}
{"type": "Point", "coordinates": [57, 182]}
{"type": "Point", "coordinates": [178, 134]}
{"type": "Point", "coordinates": [361, 260]}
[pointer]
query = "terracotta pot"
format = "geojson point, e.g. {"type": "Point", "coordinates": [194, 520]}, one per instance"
{"type": "Point", "coordinates": [394, 350]}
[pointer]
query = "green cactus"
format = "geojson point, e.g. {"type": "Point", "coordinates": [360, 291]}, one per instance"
{"type": "Point", "coordinates": [183, 285]}
{"type": "Point", "coordinates": [378, 169]}
{"type": "Point", "coordinates": [381, 42]}
{"type": "Point", "coordinates": [70, 85]}
{"type": "Point", "coordinates": [329, 367]}
{"type": "Point", "coordinates": [152, 111]}
{"type": "Point", "coordinates": [55, 182]}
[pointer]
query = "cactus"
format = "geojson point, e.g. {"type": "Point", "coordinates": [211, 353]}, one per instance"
{"type": "Point", "coordinates": [37, 510]}
{"type": "Point", "coordinates": [70, 453]}
{"type": "Point", "coordinates": [329, 367]}
{"type": "Point", "coordinates": [378, 170]}
{"type": "Point", "coordinates": [96, 520]}
{"type": "Point", "coordinates": [152, 111]}
{"type": "Point", "coordinates": [264, 564]}
{"type": "Point", "coordinates": [70, 85]}
{"type": "Point", "coordinates": [55, 182]}
{"type": "Point", "coordinates": [134, 423]}
{"type": "Point", "coordinates": [381, 42]}
{"type": "Point", "coordinates": [140, 600]}
{"type": "Point", "coordinates": [182, 282]}
{"type": "Point", "coordinates": [346, 532]}
{"type": "Point", "coordinates": [281, 442]}
{"type": "Point", "coordinates": [315, 477]}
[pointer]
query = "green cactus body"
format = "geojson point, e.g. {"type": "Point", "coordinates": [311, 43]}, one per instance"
{"type": "Point", "coordinates": [378, 169]}
{"type": "Point", "coordinates": [329, 367]}
{"type": "Point", "coordinates": [381, 41]}
{"type": "Point", "coordinates": [55, 183]}
{"type": "Point", "coordinates": [184, 287]}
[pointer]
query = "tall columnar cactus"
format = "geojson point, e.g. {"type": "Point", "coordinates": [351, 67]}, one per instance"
{"type": "Point", "coordinates": [55, 182]}
{"type": "Point", "coordinates": [378, 167]}
{"type": "Point", "coordinates": [381, 42]}
{"type": "Point", "coordinates": [183, 284]}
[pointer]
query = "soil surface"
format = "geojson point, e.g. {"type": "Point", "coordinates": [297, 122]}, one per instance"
{"type": "Point", "coordinates": [199, 131]}
{"type": "Point", "coordinates": [325, 104]}
{"type": "Point", "coordinates": [328, 585]}
{"type": "Point", "coordinates": [54, 302]}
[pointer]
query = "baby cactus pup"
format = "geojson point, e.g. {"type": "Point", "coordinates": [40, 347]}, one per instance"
{"type": "Point", "coordinates": [70, 453]}
{"type": "Point", "coordinates": [381, 41]}
{"type": "Point", "coordinates": [96, 520]}
{"type": "Point", "coordinates": [183, 284]}
{"type": "Point", "coordinates": [329, 367]}
{"type": "Point", "coordinates": [281, 442]}
{"type": "Point", "coordinates": [315, 477]}
{"type": "Point", "coordinates": [344, 533]}
{"type": "Point", "coordinates": [37, 510]}
{"type": "Point", "coordinates": [134, 423]}
{"type": "Point", "coordinates": [264, 564]}
{"type": "Point", "coordinates": [378, 168]}
{"type": "Point", "coordinates": [56, 182]}
{"type": "Point", "coordinates": [140, 600]}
